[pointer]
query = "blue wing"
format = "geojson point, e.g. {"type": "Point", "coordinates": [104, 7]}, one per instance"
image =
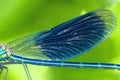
{"type": "Point", "coordinates": [66, 40]}
{"type": "Point", "coordinates": [77, 35]}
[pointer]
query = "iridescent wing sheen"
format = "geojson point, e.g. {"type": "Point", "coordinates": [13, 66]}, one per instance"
{"type": "Point", "coordinates": [26, 47]}
{"type": "Point", "coordinates": [68, 39]}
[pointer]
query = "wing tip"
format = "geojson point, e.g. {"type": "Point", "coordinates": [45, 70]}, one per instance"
{"type": "Point", "coordinates": [107, 17]}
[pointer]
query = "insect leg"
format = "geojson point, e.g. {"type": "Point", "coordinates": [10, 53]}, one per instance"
{"type": "Point", "coordinates": [1, 69]}
{"type": "Point", "coordinates": [27, 71]}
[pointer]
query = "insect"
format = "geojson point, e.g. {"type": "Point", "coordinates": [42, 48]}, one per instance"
{"type": "Point", "coordinates": [67, 40]}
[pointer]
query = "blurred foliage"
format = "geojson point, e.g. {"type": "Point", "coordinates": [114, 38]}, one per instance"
{"type": "Point", "coordinates": [21, 17]}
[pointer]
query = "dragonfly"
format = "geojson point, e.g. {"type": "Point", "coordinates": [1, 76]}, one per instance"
{"type": "Point", "coordinates": [67, 40]}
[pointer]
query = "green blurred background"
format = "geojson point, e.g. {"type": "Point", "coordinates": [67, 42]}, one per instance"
{"type": "Point", "coordinates": [22, 17]}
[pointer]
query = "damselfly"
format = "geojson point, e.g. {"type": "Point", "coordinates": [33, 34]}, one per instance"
{"type": "Point", "coordinates": [67, 40]}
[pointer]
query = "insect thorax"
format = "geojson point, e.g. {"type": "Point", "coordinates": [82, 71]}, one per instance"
{"type": "Point", "coordinates": [4, 52]}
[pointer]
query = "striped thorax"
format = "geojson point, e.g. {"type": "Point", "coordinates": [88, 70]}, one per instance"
{"type": "Point", "coordinates": [4, 52]}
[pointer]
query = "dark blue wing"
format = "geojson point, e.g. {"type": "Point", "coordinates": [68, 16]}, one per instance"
{"type": "Point", "coordinates": [77, 35]}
